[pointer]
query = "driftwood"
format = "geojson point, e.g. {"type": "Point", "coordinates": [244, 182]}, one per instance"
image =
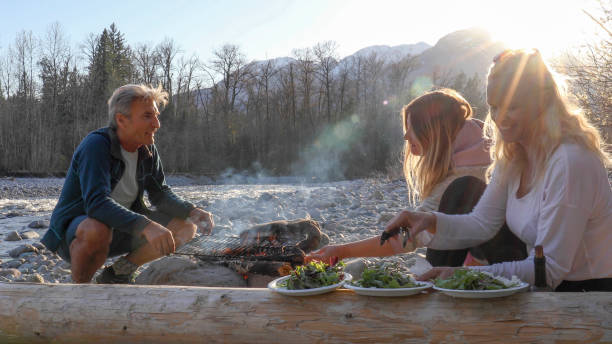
{"type": "Point", "coordinates": [35, 313]}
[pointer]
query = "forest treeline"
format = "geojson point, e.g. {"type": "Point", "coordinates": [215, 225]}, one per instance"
{"type": "Point", "coordinates": [314, 114]}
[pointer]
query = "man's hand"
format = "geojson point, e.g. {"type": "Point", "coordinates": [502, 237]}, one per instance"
{"type": "Point", "coordinates": [202, 219]}
{"type": "Point", "coordinates": [160, 237]}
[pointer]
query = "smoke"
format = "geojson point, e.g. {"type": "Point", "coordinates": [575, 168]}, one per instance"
{"type": "Point", "coordinates": [323, 159]}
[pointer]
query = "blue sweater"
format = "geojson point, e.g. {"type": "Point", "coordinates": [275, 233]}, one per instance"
{"type": "Point", "coordinates": [95, 170]}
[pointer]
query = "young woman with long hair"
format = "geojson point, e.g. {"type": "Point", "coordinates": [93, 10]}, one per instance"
{"type": "Point", "coordinates": [445, 159]}
{"type": "Point", "coordinates": [549, 183]}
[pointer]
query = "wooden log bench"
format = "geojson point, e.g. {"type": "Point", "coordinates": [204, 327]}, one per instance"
{"type": "Point", "coordinates": [69, 313]}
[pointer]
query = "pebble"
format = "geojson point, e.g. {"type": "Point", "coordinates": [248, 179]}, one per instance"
{"type": "Point", "coordinates": [377, 195]}
{"type": "Point", "coordinates": [28, 255]}
{"type": "Point", "coordinates": [39, 246]}
{"type": "Point", "coordinates": [385, 217]}
{"type": "Point", "coordinates": [11, 273]}
{"type": "Point", "coordinates": [30, 235]}
{"type": "Point", "coordinates": [34, 278]}
{"type": "Point", "coordinates": [22, 249]}
{"type": "Point", "coordinates": [26, 267]}
{"type": "Point", "coordinates": [39, 224]}
{"type": "Point", "coordinates": [13, 236]}
{"type": "Point", "coordinates": [14, 263]}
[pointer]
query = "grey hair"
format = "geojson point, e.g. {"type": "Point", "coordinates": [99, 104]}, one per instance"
{"type": "Point", "coordinates": [122, 98]}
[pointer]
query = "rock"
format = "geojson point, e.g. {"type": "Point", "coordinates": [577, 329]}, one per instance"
{"type": "Point", "coordinates": [355, 267]}
{"type": "Point", "coordinates": [30, 235]}
{"type": "Point", "coordinates": [13, 214]}
{"type": "Point", "coordinates": [39, 246]}
{"type": "Point", "coordinates": [10, 273]}
{"type": "Point", "coordinates": [377, 195]}
{"type": "Point", "coordinates": [13, 236]}
{"type": "Point", "coordinates": [353, 214]}
{"type": "Point", "coordinates": [61, 271]}
{"type": "Point", "coordinates": [183, 271]}
{"type": "Point", "coordinates": [355, 205]}
{"type": "Point", "coordinates": [34, 278]}
{"type": "Point", "coordinates": [266, 197]}
{"type": "Point", "coordinates": [25, 267]}
{"type": "Point", "coordinates": [27, 255]}
{"type": "Point", "coordinates": [13, 264]}
{"type": "Point", "coordinates": [315, 213]}
{"type": "Point", "coordinates": [255, 219]}
{"type": "Point", "coordinates": [39, 224]}
{"type": "Point", "coordinates": [22, 249]}
{"type": "Point", "coordinates": [323, 204]}
{"type": "Point", "coordinates": [385, 217]}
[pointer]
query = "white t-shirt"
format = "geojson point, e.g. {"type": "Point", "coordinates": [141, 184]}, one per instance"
{"type": "Point", "coordinates": [568, 212]}
{"type": "Point", "coordinates": [126, 190]}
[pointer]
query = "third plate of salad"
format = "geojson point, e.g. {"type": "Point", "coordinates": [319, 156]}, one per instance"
{"type": "Point", "coordinates": [473, 284]}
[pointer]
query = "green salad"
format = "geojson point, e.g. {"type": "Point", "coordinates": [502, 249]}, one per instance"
{"type": "Point", "coordinates": [386, 275]}
{"type": "Point", "coordinates": [314, 275]}
{"type": "Point", "coordinates": [467, 279]}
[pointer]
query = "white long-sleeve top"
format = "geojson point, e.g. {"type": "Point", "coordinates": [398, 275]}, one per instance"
{"type": "Point", "coordinates": [568, 211]}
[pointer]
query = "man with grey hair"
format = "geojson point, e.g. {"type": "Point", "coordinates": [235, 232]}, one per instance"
{"type": "Point", "coordinates": [101, 212]}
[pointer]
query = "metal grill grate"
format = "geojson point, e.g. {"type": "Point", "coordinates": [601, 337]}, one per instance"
{"type": "Point", "coordinates": [209, 245]}
{"type": "Point", "coordinates": [233, 248]}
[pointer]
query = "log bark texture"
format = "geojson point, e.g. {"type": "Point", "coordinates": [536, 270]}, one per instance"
{"type": "Point", "coordinates": [65, 313]}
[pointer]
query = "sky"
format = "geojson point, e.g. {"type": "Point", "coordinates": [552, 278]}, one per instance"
{"type": "Point", "coordinates": [273, 28]}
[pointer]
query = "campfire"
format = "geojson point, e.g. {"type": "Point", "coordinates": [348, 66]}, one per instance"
{"type": "Point", "coordinates": [272, 249]}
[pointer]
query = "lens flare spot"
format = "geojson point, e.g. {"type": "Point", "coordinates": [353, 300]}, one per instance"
{"type": "Point", "coordinates": [421, 85]}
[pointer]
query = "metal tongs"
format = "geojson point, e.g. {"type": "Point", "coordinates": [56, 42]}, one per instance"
{"type": "Point", "coordinates": [386, 235]}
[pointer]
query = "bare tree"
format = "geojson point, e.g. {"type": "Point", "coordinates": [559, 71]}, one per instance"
{"type": "Point", "coordinates": [167, 51]}
{"type": "Point", "coordinates": [147, 61]}
{"type": "Point", "coordinates": [306, 70]}
{"type": "Point", "coordinates": [591, 74]}
{"type": "Point", "coordinates": [327, 60]}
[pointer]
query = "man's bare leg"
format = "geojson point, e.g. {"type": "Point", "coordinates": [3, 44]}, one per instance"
{"type": "Point", "coordinates": [182, 231]}
{"type": "Point", "coordinates": [89, 249]}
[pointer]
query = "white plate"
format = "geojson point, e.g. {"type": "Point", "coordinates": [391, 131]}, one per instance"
{"type": "Point", "coordinates": [389, 291]}
{"type": "Point", "coordinates": [306, 292]}
{"type": "Point", "coordinates": [483, 294]}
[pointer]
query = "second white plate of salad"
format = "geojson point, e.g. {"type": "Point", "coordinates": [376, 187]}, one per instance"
{"type": "Point", "coordinates": [386, 279]}
{"type": "Point", "coordinates": [389, 292]}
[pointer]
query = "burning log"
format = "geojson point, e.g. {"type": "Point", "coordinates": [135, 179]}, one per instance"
{"type": "Point", "coordinates": [306, 233]}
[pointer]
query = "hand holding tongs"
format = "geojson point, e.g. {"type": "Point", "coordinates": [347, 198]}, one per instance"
{"type": "Point", "coordinates": [386, 235]}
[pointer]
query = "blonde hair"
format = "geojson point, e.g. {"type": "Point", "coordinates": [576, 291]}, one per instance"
{"type": "Point", "coordinates": [122, 99]}
{"type": "Point", "coordinates": [514, 69]}
{"type": "Point", "coordinates": [435, 118]}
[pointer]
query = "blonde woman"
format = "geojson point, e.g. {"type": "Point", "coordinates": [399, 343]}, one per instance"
{"type": "Point", "coordinates": [446, 157]}
{"type": "Point", "coordinates": [549, 184]}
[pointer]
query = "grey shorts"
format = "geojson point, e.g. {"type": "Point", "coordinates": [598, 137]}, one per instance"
{"type": "Point", "coordinates": [122, 242]}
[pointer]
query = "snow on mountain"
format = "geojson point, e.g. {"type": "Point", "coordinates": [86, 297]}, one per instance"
{"type": "Point", "coordinates": [392, 54]}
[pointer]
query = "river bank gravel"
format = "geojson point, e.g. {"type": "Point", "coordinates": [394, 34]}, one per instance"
{"type": "Point", "coordinates": [346, 211]}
